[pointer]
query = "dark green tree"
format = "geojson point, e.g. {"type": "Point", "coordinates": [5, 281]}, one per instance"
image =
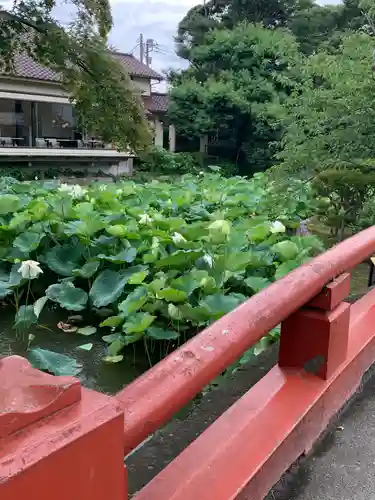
{"type": "Point", "coordinates": [353, 15]}
{"type": "Point", "coordinates": [322, 27]}
{"type": "Point", "coordinates": [196, 24]}
{"type": "Point", "coordinates": [226, 14]}
{"type": "Point", "coordinates": [316, 26]}
{"type": "Point", "coordinates": [271, 13]}
{"type": "Point", "coordinates": [233, 91]}
{"type": "Point", "coordinates": [332, 121]}
{"type": "Point", "coordinates": [313, 25]}
{"type": "Point", "coordinates": [100, 88]}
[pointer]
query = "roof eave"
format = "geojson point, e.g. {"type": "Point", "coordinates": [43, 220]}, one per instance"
{"type": "Point", "coordinates": [148, 77]}
{"type": "Point", "coordinates": [5, 76]}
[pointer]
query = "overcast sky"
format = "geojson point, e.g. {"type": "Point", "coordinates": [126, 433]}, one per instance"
{"type": "Point", "coordinates": [157, 19]}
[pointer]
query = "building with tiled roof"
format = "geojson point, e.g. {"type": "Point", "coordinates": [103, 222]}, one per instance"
{"type": "Point", "coordinates": [35, 110]}
{"type": "Point", "coordinates": [25, 67]}
{"type": "Point", "coordinates": [135, 68]}
{"type": "Point", "coordinates": [156, 102]}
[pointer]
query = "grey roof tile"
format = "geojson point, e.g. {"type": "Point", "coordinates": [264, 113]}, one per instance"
{"type": "Point", "coordinates": [134, 67]}
{"type": "Point", "coordinates": [25, 67]}
{"type": "Point", "coordinates": [157, 102]}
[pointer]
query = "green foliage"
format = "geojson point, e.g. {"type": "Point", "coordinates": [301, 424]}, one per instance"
{"type": "Point", "coordinates": [240, 99]}
{"type": "Point", "coordinates": [108, 287]}
{"type": "Point", "coordinates": [236, 84]}
{"type": "Point", "coordinates": [272, 13]}
{"type": "Point", "coordinates": [100, 89]}
{"type": "Point", "coordinates": [286, 250]}
{"type": "Point", "coordinates": [332, 122]}
{"type": "Point", "coordinates": [51, 172]}
{"type": "Point", "coordinates": [347, 190]}
{"type": "Point", "coordinates": [366, 217]}
{"type": "Point", "coordinates": [86, 331]}
{"type": "Point", "coordinates": [196, 24]}
{"type": "Point", "coordinates": [324, 26]}
{"type": "Point", "coordinates": [149, 261]}
{"type": "Point", "coordinates": [25, 317]}
{"type": "Point", "coordinates": [159, 161]}
{"type": "Point", "coordinates": [226, 14]}
{"type": "Point", "coordinates": [69, 297]}
{"type": "Point", "coordinates": [314, 25]}
{"type": "Point", "coordinates": [52, 362]}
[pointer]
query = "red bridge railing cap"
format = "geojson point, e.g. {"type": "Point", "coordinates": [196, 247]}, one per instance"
{"type": "Point", "coordinates": [28, 395]}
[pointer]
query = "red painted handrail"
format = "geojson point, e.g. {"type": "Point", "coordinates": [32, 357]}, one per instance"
{"type": "Point", "coordinates": [152, 399]}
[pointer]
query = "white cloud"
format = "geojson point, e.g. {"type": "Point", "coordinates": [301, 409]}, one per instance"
{"type": "Point", "coordinates": [157, 19]}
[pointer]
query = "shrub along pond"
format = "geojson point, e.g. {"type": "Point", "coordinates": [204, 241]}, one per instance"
{"type": "Point", "coordinates": [129, 266]}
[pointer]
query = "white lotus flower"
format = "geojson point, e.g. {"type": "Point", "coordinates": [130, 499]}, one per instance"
{"type": "Point", "coordinates": [277, 227]}
{"type": "Point", "coordinates": [74, 190]}
{"type": "Point", "coordinates": [29, 269]}
{"type": "Point", "coordinates": [178, 238]}
{"type": "Point", "coordinates": [208, 260]}
{"type": "Point", "coordinates": [145, 219]}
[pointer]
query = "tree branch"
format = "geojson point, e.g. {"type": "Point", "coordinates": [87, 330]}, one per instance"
{"type": "Point", "coordinates": [40, 29]}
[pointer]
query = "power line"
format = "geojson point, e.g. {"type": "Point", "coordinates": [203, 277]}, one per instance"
{"type": "Point", "coordinates": [164, 50]}
{"type": "Point", "coordinates": [164, 47]}
{"type": "Point", "coordinates": [147, 47]}
{"type": "Point", "coordinates": [135, 46]}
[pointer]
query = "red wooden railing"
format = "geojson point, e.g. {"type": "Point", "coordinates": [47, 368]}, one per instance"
{"type": "Point", "coordinates": [52, 428]}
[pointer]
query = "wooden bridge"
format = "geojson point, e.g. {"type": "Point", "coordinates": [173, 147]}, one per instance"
{"type": "Point", "coordinates": [59, 440]}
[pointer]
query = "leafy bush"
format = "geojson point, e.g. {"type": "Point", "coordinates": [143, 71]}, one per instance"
{"type": "Point", "coordinates": [366, 217]}
{"type": "Point", "coordinates": [227, 168]}
{"type": "Point", "coordinates": [156, 261]}
{"type": "Point", "coordinates": [53, 172]}
{"type": "Point", "coordinates": [346, 190]}
{"type": "Point", "coordinates": [162, 162]}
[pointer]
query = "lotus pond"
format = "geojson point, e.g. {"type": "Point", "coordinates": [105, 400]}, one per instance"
{"type": "Point", "coordinates": [123, 273]}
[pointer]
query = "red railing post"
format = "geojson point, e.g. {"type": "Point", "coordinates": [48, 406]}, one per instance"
{"type": "Point", "coordinates": [57, 440]}
{"type": "Point", "coordinates": [316, 336]}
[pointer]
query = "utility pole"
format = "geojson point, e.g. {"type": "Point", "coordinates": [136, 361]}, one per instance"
{"type": "Point", "coordinates": [149, 49]}
{"type": "Point", "coordinates": [141, 48]}
{"type": "Point", "coordinates": [145, 49]}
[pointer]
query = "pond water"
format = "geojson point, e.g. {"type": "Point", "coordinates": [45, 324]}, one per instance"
{"type": "Point", "coordinates": [106, 378]}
